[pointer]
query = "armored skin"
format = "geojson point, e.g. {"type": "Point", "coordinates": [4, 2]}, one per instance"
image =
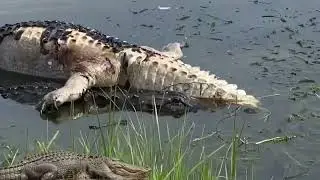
{"type": "Point", "coordinates": [86, 58]}
{"type": "Point", "coordinates": [69, 165]}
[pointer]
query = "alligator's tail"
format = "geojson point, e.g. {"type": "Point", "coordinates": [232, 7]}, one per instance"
{"type": "Point", "coordinates": [157, 74]}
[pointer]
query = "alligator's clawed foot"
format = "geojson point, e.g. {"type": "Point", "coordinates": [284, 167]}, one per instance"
{"type": "Point", "coordinates": [57, 97]}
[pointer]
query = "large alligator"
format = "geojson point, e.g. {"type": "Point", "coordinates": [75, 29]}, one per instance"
{"type": "Point", "coordinates": [86, 58]}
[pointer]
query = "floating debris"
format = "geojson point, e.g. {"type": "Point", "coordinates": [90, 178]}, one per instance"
{"type": "Point", "coordinates": [300, 43]}
{"type": "Point", "coordinates": [212, 26]}
{"type": "Point", "coordinates": [283, 20]}
{"type": "Point", "coordinates": [315, 115]}
{"type": "Point", "coordinates": [269, 16]}
{"type": "Point", "coordinates": [276, 140]}
{"type": "Point", "coordinates": [164, 7]}
{"type": "Point", "coordinates": [146, 25]}
{"type": "Point", "coordinates": [216, 39]}
{"type": "Point", "coordinates": [204, 6]}
{"type": "Point", "coordinates": [260, 2]}
{"type": "Point", "coordinates": [229, 52]}
{"type": "Point", "coordinates": [204, 137]}
{"type": "Point", "coordinates": [315, 88]}
{"type": "Point", "coordinates": [179, 28]}
{"type": "Point", "coordinates": [140, 11]}
{"type": "Point", "coordinates": [121, 123]}
{"type": "Point", "coordinates": [183, 18]}
{"type": "Point", "coordinates": [295, 116]}
{"type": "Point", "coordinates": [306, 80]}
{"type": "Point", "coordinates": [289, 29]}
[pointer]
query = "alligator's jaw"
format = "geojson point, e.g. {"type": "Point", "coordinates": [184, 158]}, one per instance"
{"type": "Point", "coordinates": [156, 73]}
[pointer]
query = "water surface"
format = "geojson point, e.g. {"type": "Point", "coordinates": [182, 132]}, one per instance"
{"type": "Point", "coordinates": [265, 47]}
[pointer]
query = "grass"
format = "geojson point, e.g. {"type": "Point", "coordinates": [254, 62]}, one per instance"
{"type": "Point", "coordinates": [173, 155]}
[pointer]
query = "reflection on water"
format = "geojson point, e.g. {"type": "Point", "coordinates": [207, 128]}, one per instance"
{"type": "Point", "coordinates": [266, 47]}
{"type": "Point", "coordinates": [99, 100]}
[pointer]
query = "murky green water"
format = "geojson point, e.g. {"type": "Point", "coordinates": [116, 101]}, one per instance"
{"type": "Point", "coordinates": [266, 47]}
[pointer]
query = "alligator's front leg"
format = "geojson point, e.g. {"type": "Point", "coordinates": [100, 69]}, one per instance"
{"type": "Point", "coordinates": [73, 89]}
{"type": "Point", "coordinates": [44, 171]}
{"type": "Point", "coordinates": [88, 65]}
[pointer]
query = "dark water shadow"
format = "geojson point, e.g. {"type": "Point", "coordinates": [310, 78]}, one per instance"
{"type": "Point", "coordinates": [30, 90]}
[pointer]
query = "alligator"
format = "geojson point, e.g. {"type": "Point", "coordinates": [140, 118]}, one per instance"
{"type": "Point", "coordinates": [86, 58]}
{"type": "Point", "coordinates": [70, 165]}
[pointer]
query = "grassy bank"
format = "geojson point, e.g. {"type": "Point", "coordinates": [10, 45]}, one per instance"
{"type": "Point", "coordinates": [176, 154]}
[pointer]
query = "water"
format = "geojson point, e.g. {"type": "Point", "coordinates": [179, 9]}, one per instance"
{"type": "Point", "coordinates": [250, 43]}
